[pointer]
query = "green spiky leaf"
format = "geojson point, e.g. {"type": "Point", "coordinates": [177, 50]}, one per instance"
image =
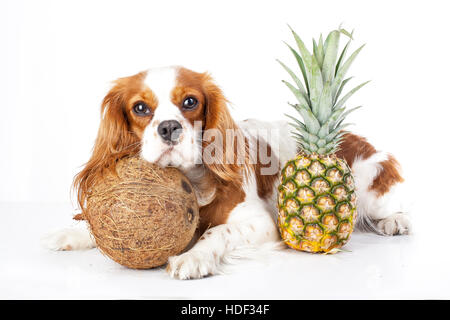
{"type": "Point", "coordinates": [306, 56]}
{"type": "Point", "coordinates": [310, 121]}
{"type": "Point", "coordinates": [341, 87]}
{"type": "Point", "coordinates": [348, 34]}
{"type": "Point", "coordinates": [343, 70]}
{"type": "Point", "coordinates": [301, 66]}
{"type": "Point", "coordinates": [295, 78]}
{"type": "Point", "coordinates": [325, 102]}
{"type": "Point", "coordinates": [349, 94]}
{"type": "Point", "coordinates": [341, 57]}
{"type": "Point", "coordinates": [301, 97]}
{"type": "Point", "coordinates": [318, 51]}
{"type": "Point", "coordinates": [316, 86]}
{"type": "Point", "coordinates": [329, 60]}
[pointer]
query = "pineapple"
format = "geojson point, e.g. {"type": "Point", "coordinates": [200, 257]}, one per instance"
{"type": "Point", "coordinates": [316, 195]}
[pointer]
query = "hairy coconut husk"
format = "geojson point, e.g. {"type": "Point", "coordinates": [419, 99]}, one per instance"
{"type": "Point", "coordinates": [143, 214]}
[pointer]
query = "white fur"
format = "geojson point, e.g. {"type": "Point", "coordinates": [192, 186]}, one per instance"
{"type": "Point", "coordinates": [387, 212]}
{"type": "Point", "coordinates": [283, 146]}
{"type": "Point", "coordinates": [249, 225]}
{"type": "Point", "coordinates": [364, 172]}
{"type": "Point", "coordinates": [183, 154]}
{"type": "Point", "coordinates": [161, 81]}
{"type": "Point", "coordinates": [68, 239]}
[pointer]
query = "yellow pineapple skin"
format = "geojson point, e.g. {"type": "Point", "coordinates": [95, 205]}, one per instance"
{"type": "Point", "coordinates": [316, 203]}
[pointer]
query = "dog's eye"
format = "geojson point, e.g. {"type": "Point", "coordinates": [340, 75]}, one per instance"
{"type": "Point", "coordinates": [141, 109]}
{"type": "Point", "coordinates": [190, 103]}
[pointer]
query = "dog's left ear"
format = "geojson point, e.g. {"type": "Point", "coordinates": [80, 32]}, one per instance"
{"type": "Point", "coordinates": [217, 124]}
{"type": "Point", "coordinates": [114, 141]}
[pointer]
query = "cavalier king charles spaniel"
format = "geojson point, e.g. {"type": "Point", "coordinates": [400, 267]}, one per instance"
{"type": "Point", "coordinates": [173, 116]}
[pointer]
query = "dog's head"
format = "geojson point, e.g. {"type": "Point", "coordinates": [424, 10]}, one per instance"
{"type": "Point", "coordinates": [162, 114]}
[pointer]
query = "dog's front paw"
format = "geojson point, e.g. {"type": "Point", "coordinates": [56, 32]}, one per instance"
{"type": "Point", "coordinates": [397, 223]}
{"type": "Point", "coordinates": [68, 239]}
{"type": "Point", "coordinates": [191, 265]}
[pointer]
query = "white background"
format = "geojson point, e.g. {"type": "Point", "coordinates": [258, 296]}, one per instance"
{"type": "Point", "coordinates": [57, 59]}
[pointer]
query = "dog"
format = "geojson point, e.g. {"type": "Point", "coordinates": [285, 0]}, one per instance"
{"type": "Point", "coordinates": [173, 116]}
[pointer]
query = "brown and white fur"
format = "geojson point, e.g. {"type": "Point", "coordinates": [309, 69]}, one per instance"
{"type": "Point", "coordinates": [237, 202]}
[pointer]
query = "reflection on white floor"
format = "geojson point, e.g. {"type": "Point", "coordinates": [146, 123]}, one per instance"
{"type": "Point", "coordinates": [372, 267]}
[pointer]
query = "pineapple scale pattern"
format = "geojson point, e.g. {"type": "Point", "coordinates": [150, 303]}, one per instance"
{"type": "Point", "coordinates": [316, 203]}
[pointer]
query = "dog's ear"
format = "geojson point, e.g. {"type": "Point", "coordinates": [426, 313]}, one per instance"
{"type": "Point", "coordinates": [115, 138]}
{"type": "Point", "coordinates": [219, 153]}
{"type": "Point", "coordinates": [114, 141]}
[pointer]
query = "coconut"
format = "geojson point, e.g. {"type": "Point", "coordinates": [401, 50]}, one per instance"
{"type": "Point", "coordinates": [142, 214]}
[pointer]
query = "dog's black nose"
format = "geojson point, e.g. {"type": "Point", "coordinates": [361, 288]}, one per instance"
{"type": "Point", "coordinates": [170, 131]}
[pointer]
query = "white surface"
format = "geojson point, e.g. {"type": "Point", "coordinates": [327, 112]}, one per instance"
{"type": "Point", "coordinates": [374, 268]}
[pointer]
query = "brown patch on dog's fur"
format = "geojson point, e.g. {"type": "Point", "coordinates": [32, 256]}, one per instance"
{"type": "Point", "coordinates": [228, 196]}
{"type": "Point", "coordinates": [353, 146]}
{"type": "Point", "coordinates": [388, 176]}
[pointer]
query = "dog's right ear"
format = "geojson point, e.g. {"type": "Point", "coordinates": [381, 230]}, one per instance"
{"type": "Point", "coordinates": [114, 141]}
{"type": "Point", "coordinates": [114, 138]}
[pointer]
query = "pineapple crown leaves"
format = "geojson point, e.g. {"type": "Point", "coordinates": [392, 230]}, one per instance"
{"type": "Point", "coordinates": [319, 91]}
